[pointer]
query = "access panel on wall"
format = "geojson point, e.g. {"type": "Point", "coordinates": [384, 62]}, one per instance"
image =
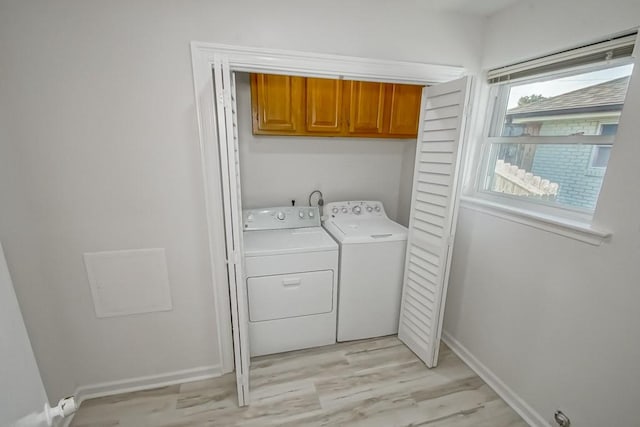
{"type": "Point", "coordinates": [301, 106]}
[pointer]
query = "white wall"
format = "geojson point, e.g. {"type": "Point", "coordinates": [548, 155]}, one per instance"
{"type": "Point", "coordinates": [19, 228]}
{"type": "Point", "coordinates": [101, 142]}
{"type": "Point", "coordinates": [21, 390]}
{"type": "Point", "coordinates": [277, 169]}
{"type": "Point", "coordinates": [406, 184]}
{"type": "Point", "coordinates": [556, 319]}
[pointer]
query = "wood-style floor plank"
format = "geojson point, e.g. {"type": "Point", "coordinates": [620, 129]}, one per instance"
{"type": "Point", "coordinates": [376, 382]}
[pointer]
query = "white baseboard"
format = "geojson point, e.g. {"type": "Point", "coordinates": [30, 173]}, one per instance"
{"type": "Point", "coordinates": [527, 413]}
{"type": "Point", "coordinates": [147, 382]}
{"type": "Point", "coordinates": [142, 383]}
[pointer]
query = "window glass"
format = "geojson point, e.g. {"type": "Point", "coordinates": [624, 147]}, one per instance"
{"type": "Point", "coordinates": [600, 156]}
{"type": "Point", "coordinates": [559, 173]}
{"type": "Point", "coordinates": [566, 172]}
{"type": "Point", "coordinates": [609, 129]}
{"type": "Point", "coordinates": [570, 105]}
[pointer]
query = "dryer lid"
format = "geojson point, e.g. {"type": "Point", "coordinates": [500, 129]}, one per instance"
{"type": "Point", "coordinates": [354, 230]}
{"type": "Point", "coordinates": [287, 241]}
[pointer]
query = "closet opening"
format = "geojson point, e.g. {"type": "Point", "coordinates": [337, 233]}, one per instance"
{"type": "Point", "coordinates": [261, 140]}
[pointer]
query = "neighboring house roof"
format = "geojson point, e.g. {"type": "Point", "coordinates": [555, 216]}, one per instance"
{"type": "Point", "coordinates": [607, 96]}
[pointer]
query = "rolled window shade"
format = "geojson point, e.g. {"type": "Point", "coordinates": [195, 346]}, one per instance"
{"type": "Point", "coordinates": [600, 52]}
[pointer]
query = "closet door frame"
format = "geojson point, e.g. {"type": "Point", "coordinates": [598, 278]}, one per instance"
{"type": "Point", "coordinates": [204, 57]}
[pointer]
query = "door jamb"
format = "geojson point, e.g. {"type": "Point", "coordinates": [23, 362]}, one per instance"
{"type": "Point", "coordinates": [260, 60]}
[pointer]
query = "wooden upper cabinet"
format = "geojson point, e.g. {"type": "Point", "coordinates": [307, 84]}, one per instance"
{"type": "Point", "coordinates": [276, 103]}
{"type": "Point", "coordinates": [285, 105]}
{"type": "Point", "coordinates": [366, 107]}
{"type": "Point", "coordinates": [404, 109]}
{"type": "Point", "coordinates": [324, 106]}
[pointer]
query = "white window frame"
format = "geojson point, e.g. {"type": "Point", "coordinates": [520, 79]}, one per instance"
{"type": "Point", "coordinates": [596, 170]}
{"type": "Point", "coordinates": [564, 220]}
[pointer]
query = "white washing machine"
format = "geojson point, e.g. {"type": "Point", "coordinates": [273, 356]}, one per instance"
{"type": "Point", "coordinates": [291, 277]}
{"type": "Point", "coordinates": [372, 253]}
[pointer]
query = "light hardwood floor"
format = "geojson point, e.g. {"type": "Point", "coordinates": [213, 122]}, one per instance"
{"type": "Point", "coordinates": [377, 382]}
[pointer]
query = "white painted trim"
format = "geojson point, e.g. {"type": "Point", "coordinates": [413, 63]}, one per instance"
{"type": "Point", "coordinates": [148, 382]}
{"type": "Point", "coordinates": [211, 179]}
{"type": "Point", "coordinates": [583, 232]}
{"type": "Point", "coordinates": [250, 59]}
{"type": "Point", "coordinates": [569, 139]}
{"type": "Point", "coordinates": [530, 415]}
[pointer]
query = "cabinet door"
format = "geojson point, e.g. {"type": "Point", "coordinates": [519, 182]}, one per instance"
{"type": "Point", "coordinates": [404, 109]}
{"type": "Point", "coordinates": [366, 107]}
{"type": "Point", "coordinates": [324, 106]}
{"type": "Point", "coordinates": [276, 103]}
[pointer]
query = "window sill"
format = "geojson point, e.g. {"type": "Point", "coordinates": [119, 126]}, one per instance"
{"type": "Point", "coordinates": [581, 231]}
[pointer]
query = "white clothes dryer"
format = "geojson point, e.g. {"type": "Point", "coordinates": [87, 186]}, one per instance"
{"type": "Point", "coordinates": [291, 277]}
{"type": "Point", "coordinates": [372, 254]}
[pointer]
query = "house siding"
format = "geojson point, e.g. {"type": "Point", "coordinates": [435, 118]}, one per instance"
{"type": "Point", "coordinates": [568, 165]}
{"type": "Point", "coordinates": [569, 127]}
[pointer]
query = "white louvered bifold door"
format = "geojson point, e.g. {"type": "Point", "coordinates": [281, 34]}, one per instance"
{"type": "Point", "coordinates": [226, 115]}
{"type": "Point", "coordinates": [433, 216]}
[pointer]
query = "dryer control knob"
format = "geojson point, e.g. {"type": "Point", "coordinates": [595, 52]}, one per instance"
{"type": "Point", "coordinates": [377, 208]}
{"type": "Point", "coordinates": [345, 210]}
{"type": "Point", "coordinates": [369, 209]}
{"type": "Point", "coordinates": [301, 214]}
{"type": "Point", "coordinates": [357, 210]}
{"type": "Point", "coordinates": [280, 215]}
{"type": "Point", "coordinates": [334, 210]}
{"type": "Point", "coordinates": [310, 214]}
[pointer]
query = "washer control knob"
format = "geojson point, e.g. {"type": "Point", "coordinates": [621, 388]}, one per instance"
{"type": "Point", "coordinates": [281, 216]}
{"type": "Point", "coordinates": [369, 209]}
{"type": "Point", "coordinates": [334, 210]}
{"type": "Point", "coordinates": [377, 208]}
{"type": "Point", "coordinates": [301, 214]}
{"type": "Point", "coordinates": [345, 210]}
{"type": "Point", "coordinates": [356, 210]}
{"type": "Point", "coordinates": [311, 214]}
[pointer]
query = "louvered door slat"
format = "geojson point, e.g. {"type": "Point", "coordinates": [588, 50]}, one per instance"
{"type": "Point", "coordinates": [434, 168]}
{"type": "Point", "coordinates": [432, 220]}
{"type": "Point", "coordinates": [441, 113]}
{"type": "Point", "coordinates": [446, 158]}
{"type": "Point", "coordinates": [416, 325]}
{"type": "Point", "coordinates": [445, 99]}
{"type": "Point", "coordinates": [438, 135]}
{"type": "Point", "coordinates": [426, 255]}
{"type": "Point", "coordinates": [438, 147]}
{"type": "Point", "coordinates": [421, 294]}
{"type": "Point", "coordinates": [438, 179]}
{"type": "Point", "coordinates": [442, 122]}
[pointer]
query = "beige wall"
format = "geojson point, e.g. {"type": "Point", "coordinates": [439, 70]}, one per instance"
{"type": "Point", "coordinates": [556, 319]}
{"type": "Point", "coordinates": [100, 134]}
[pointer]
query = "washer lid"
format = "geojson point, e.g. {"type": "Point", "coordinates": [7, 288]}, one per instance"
{"type": "Point", "coordinates": [353, 230]}
{"type": "Point", "coordinates": [287, 241]}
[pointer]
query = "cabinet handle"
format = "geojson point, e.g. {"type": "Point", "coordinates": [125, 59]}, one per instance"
{"type": "Point", "coordinates": [292, 282]}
